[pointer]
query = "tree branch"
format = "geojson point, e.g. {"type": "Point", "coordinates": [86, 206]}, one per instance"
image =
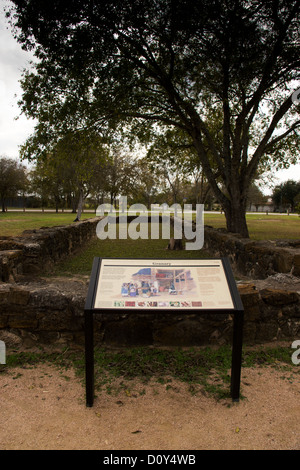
{"type": "Point", "coordinates": [286, 105]}
{"type": "Point", "coordinates": [282, 136]}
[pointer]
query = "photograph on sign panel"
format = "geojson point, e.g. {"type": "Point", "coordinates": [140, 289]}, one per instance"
{"type": "Point", "coordinates": [142, 284]}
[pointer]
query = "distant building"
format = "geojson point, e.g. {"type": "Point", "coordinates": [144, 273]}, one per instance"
{"type": "Point", "coordinates": [267, 206]}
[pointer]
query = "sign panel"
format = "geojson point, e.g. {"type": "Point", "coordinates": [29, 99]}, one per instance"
{"type": "Point", "coordinates": [162, 285]}
{"type": "Point", "coordinates": [134, 285]}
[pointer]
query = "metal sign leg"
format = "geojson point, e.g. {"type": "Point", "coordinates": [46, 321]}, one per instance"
{"type": "Point", "coordinates": [89, 357]}
{"type": "Point", "coordinates": [237, 345]}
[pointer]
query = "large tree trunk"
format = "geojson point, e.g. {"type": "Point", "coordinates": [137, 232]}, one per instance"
{"type": "Point", "coordinates": [235, 210]}
{"type": "Point", "coordinates": [235, 214]}
{"type": "Point", "coordinates": [234, 199]}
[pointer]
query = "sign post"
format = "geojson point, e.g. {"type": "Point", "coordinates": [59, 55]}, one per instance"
{"type": "Point", "coordinates": [157, 285]}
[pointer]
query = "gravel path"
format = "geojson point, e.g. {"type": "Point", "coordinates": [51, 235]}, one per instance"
{"type": "Point", "coordinates": [44, 408]}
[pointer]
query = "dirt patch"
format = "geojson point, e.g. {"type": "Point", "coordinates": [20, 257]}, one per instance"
{"type": "Point", "coordinates": [44, 408]}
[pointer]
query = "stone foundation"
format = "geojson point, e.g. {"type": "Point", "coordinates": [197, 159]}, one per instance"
{"type": "Point", "coordinates": [254, 259]}
{"type": "Point", "coordinates": [43, 311]}
{"type": "Point", "coordinates": [37, 250]}
{"type": "Point", "coordinates": [52, 312]}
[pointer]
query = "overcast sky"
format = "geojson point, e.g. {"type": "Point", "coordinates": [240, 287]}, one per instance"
{"type": "Point", "coordinates": [13, 59]}
{"type": "Point", "coordinates": [14, 133]}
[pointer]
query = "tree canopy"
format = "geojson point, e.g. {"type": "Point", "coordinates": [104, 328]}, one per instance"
{"type": "Point", "coordinates": [13, 178]}
{"type": "Point", "coordinates": [221, 71]}
{"type": "Point", "coordinates": [286, 195]}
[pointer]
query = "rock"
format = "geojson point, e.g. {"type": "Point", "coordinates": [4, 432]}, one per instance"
{"type": "Point", "coordinates": [37, 250]}
{"type": "Point", "coordinates": [175, 244]}
{"type": "Point", "coordinates": [296, 265]}
{"type": "Point", "coordinates": [10, 339]}
{"type": "Point", "coordinates": [250, 300]}
{"type": "Point", "coordinates": [255, 259]}
{"type": "Point", "coordinates": [279, 296]}
{"type": "Point", "coordinates": [18, 296]}
{"type": "Point", "coordinates": [249, 294]}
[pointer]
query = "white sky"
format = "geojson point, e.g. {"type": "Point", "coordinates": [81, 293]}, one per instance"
{"type": "Point", "coordinates": [13, 133]}
{"type": "Point", "coordinates": [13, 59]}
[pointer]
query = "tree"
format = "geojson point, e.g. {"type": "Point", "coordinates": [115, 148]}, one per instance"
{"type": "Point", "coordinates": [13, 179]}
{"type": "Point", "coordinates": [81, 157]}
{"type": "Point", "coordinates": [167, 170]}
{"type": "Point", "coordinates": [50, 180]}
{"type": "Point", "coordinates": [146, 188]}
{"type": "Point", "coordinates": [121, 176]}
{"type": "Point", "coordinates": [175, 158]}
{"type": "Point", "coordinates": [172, 63]}
{"type": "Point", "coordinates": [76, 167]}
{"type": "Point", "coordinates": [285, 195]}
{"type": "Point", "coordinates": [256, 197]}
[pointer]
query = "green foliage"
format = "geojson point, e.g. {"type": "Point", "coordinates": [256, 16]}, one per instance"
{"type": "Point", "coordinates": [255, 196]}
{"type": "Point", "coordinates": [78, 165]}
{"type": "Point", "coordinates": [220, 72]}
{"type": "Point", "coordinates": [285, 195]}
{"type": "Point", "coordinates": [147, 185]}
{"type": "Point", "coordinates": [13, 179]}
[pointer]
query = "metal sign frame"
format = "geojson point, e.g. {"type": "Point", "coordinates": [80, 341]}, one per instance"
{"type": "Point", "coordinates": [237, 311]}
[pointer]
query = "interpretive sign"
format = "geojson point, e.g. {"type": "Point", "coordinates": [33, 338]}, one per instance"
{"type": "Point", "coordinates": [165, 285]}
{"type": "Point", "coordinates": [156, 285]}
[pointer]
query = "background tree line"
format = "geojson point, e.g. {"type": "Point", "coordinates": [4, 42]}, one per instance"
{"type": "Point", "coordinates": [75, 176]}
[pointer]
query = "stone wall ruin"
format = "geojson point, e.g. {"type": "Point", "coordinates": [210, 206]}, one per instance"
{"type": "Point", "coordinates": [39, 310]}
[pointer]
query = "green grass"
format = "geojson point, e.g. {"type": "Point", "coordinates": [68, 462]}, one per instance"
{"type": "Point", "coordinates": [202, 370]}
{"type": "Point", "coordinates": [81, 262]}
{"type": "Point", "coordinates": [14, 223]}
{"type": "Point", "coordinates": [263, 227]}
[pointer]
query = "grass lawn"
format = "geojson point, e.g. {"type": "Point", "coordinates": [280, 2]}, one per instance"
{"type": "Point", "coordinates": [13, 223]}
{"type": "Point", "coordinates": [81, 262]}
{"type": "Point", "coordinates": [201, 369]}
{"type": "Point", "coordinates": [263, 227]}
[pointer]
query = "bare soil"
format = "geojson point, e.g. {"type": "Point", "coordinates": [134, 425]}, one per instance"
{"type": "Point", "coordinates": [44, 408]}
